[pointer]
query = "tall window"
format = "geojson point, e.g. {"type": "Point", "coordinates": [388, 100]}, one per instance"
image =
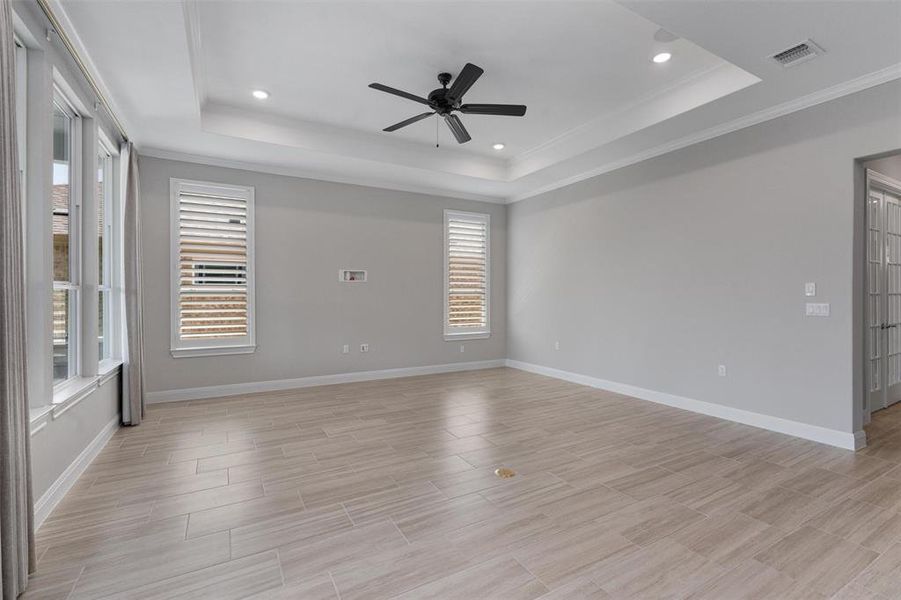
{"type": "Point", "coordinates": [212, 268]}
{"type": "Point", "coordinates": [466, 269]}
{"type": "Point", "coordinates": [104, 193]}
{"type": "Point", "coordinates": [64, 204]}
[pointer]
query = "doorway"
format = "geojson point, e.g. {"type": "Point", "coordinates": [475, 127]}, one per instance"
{"type": "Point", "coordinates": [883, 289]}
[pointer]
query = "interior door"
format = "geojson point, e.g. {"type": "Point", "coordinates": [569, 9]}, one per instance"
{"type": "Point", "coordinates": [875, 273]}
{"type": "Point", "coordinates": [892, 297]}
{"type": "Point", "coordinates": [883, 296]}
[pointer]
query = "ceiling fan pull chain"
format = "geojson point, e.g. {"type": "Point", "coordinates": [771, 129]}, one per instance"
{"type": "Point", "coordinates": [436, 131]}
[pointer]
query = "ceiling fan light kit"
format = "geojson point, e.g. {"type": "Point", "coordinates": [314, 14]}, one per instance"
{"type": "Point", "coordinates": [445, 101]}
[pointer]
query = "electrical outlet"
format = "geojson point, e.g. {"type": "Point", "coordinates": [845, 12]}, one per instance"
{"type": "Point", "coordinates": [462, 348]}
{"type": "Point", "coordinates": [345, 349]}
{"type": "Point", "coordinates": [557, 345]}
{"type": "Point", "coordinates": [721, 370]}
{"type": "Point", "coordinates": [810, 288]}
{"type": "Point", "coordinates": [816, 309]}
{"type": "Point", "coordinates": [364, 347]}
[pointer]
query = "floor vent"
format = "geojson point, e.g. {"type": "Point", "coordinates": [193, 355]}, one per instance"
{"type": "Point", "coordinates": [797, 54]}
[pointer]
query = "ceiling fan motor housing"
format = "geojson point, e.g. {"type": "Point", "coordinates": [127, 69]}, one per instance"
{"type": "Point", "coordinates": [439, 101]}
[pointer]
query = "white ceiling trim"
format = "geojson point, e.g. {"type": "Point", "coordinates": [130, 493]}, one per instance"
{"type": "Point", "coordinates": [831, 93]}
{"type": "Point", "coordinates": [875, 78]}
{"type": "Point", "coordinates": [849, 87]}
{"type": "Point", "coordinates": [329, 139]}
{"type": "Point", "coordinates": [59, 12]}
{"type": "Point", "coordinates": [686, 93]}
{"type": "Point", "coordinates": [682, 96]}
{"type": "Point", "coordinates": [313, 174]}
{"type": "Point", "coordinates": [624, 110]}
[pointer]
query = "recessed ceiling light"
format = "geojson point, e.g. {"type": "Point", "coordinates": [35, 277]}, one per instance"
{"type": "Point", "coordinates": [260, 94]}
{"type": "Point", "coordinates": [498, 146]}
{"type": "Point", "coordinates": [662, 57]}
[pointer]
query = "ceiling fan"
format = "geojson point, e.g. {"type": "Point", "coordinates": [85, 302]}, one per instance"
{"type": "Point", "coordinates": [445, 101]}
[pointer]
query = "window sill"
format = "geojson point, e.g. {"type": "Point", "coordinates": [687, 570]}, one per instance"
{"type": "Point", "coordinates": [72, 392]}
{"type": "Point", "coordinates": [108, 368]}
{"type": "Point", "coordinates": [454, 337]}
{"type": "Point", "coordinates": [39, 417]}
{"type": "Point", "coordinates": [212, 351]}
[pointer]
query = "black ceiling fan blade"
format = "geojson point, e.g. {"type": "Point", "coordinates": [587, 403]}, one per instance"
{"type": "Point", "coordinates": [456, 127]}
{"type": "Point", "coordinates": [402, 94]}
{"type": "Point", "coordinates": [468, 76]}
{"type": "Point", "coordinates": [504, 110]}
{"type": "Point", "coordinates": [409, 121]}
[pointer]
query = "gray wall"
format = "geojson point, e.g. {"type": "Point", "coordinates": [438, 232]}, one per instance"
{"type": "Point", "coordinates": [305, 231]}
{"type": "Point", "coordinates": [655, 274]}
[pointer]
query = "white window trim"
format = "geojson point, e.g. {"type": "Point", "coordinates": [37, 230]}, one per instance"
{"type": "Point", "coordinates": [105, 279]}
{"type": "Point", "coordinates": [471, 333]}
{"type": "Point", "coordinates": [183, 349]}
{"type": "Point", "coordinates": [61, 389]}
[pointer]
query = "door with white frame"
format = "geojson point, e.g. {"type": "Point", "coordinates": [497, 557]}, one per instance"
{"type": "Point", "coordinates": [883, 306]}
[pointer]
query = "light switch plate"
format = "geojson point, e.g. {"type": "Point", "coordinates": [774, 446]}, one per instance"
{"type": "Point", "coordinates": [810, 289]}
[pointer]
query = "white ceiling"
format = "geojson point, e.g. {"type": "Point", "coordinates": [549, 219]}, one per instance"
{"type": "Point", "coordinates": [179, 74]}
{"type": "Point", "coordinates": [569, 62]}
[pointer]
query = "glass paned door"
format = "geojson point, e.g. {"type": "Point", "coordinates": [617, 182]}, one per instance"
{"type": "Point", "coordinates": [883, 325]}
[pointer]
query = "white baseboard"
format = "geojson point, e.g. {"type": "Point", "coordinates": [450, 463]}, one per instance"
{"type": "Point", "coordinates": [832, 437]}
{"type": "Point", "coordinates": [215, 391]}
{"type": "Point", "coordinates": [59, 488]}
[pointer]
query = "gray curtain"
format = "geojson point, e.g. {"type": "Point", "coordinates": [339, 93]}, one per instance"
{"type": "Point", "coordinates": [17, 557]}
{"type": "Point", "coordinates": [133, 344]}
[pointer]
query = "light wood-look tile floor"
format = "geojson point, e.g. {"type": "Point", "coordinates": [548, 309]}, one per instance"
{"type": "Point", "coordinates": [386, 490]}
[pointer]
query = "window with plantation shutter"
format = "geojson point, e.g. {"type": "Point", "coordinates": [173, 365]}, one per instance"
{"type": "Point", "coordinates": [212, 268]}
{"type": "Point", "coordinates": [466, 264]}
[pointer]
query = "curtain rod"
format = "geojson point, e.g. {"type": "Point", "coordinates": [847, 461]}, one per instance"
{"type": "Point", "coordinates": [57, 27]}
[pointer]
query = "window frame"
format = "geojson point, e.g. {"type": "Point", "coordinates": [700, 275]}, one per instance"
{"type": "Point", "coordinates": [106, 239]}
{"type": "Point", "coordinates": [469, 333]}
{"type": "Point", "coordinates": [180, 348]}
{"type": "Point", "coordinates": [73, 284]}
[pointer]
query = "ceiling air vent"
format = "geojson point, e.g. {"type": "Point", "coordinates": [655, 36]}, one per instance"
{"type": "Point", "coordinates": [797, 54]}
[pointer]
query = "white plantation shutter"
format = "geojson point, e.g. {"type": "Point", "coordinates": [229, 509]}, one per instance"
{"type": "Point", "coordinates": [212, 266]}
{"type": "Point", "coordinates": [466, 274]}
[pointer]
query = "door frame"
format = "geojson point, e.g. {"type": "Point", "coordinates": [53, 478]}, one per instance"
{"type": "Point", "coordinates": [874, 179]}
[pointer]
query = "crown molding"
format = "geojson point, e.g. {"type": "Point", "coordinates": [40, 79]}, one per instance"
{"type": "Point", "coordinates": [846, 88]}
{"type": "Point", "coordinates": [587, 126]}
{"type": "Point", "coordinates": [313, 174]}
{"type": "Point", "coordinates": [59, 19]}
{"type": "Point", "coordinates": [885, 75]}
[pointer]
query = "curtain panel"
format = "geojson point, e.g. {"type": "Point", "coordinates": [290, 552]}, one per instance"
{"type": "Point", "coordinates": [17, 557]}
{"type": "Point", "coordinates": [133, 344]}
